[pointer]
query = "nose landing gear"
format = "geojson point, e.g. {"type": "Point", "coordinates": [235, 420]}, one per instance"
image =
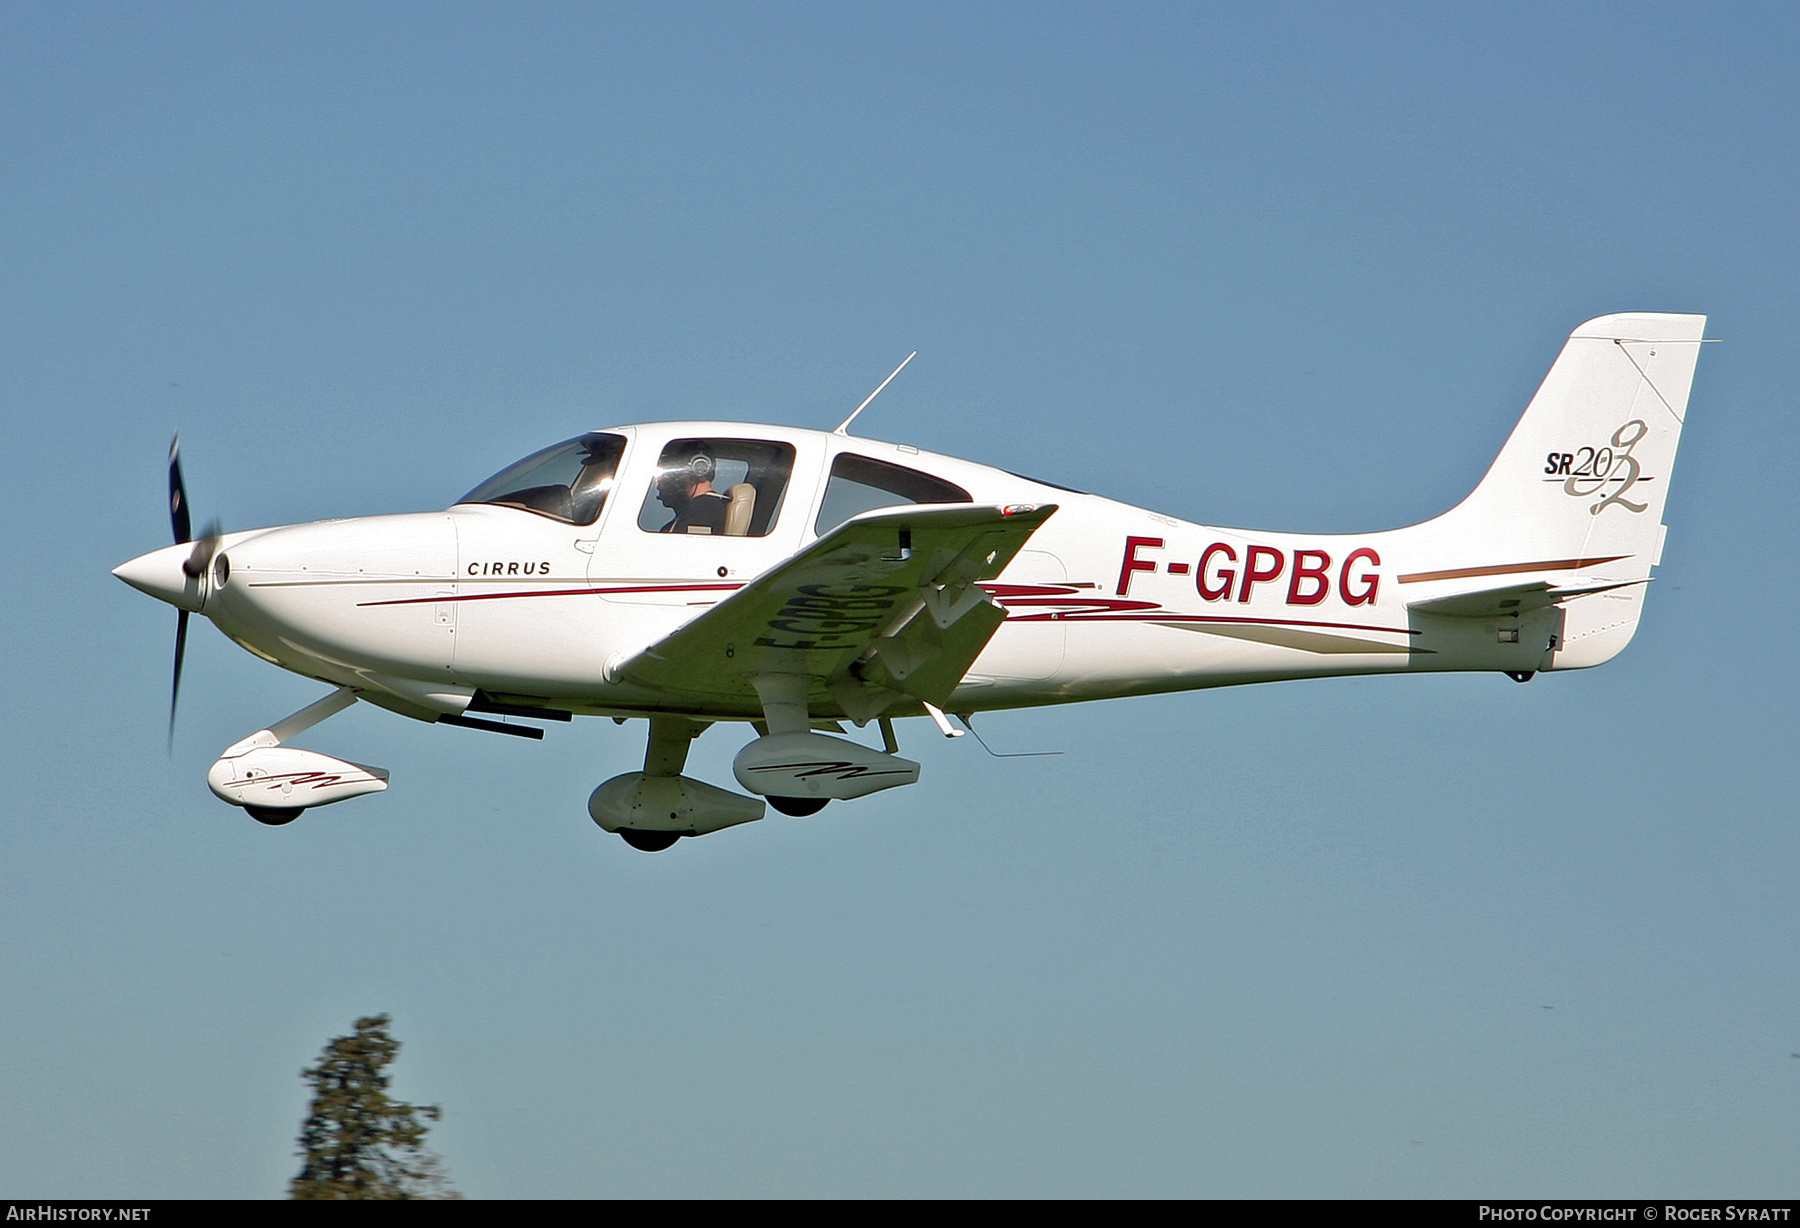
{"type": "Point", "coordinates": [274, 783]}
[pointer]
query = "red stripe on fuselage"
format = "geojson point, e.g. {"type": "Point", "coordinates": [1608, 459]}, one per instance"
{"type": "Point", "coordinates": [561, 592]}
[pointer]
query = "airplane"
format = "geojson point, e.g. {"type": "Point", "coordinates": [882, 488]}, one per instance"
{"type": "Point", "coordinates": [698, 573]}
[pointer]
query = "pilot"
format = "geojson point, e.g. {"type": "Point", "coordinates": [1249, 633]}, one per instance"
{"type": "Point", "coordinates": [684, 486]}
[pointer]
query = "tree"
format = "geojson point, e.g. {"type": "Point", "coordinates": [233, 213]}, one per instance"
{"type": "Point", "coordinates": [356, 1142]}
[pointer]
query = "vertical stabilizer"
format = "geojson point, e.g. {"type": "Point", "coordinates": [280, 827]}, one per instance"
{"type": "Point", "coordinates": [1576, 496]}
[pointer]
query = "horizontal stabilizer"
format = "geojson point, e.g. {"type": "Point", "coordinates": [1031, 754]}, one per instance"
{"type": "Point", "coordinates": [1510, 599]}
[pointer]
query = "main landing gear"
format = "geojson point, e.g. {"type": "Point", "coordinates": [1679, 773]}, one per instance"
{"type": "Point", "coordinates": [791, 767]}
{"type": "Point", "coordinates": [652, 809]}
{"type": "Point", "coordinates": [798, 806]}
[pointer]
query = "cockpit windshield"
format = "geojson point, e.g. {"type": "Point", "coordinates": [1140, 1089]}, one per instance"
{"type": "Point", "coordinates": [567, 482]}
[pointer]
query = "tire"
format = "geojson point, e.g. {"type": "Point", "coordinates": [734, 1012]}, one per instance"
{"type": "Point", "coordinates": [274, 816]}
{"type": "Point", "coordinates": [648, 841]}
{"type": "Point", "coordinates": [798, 806]}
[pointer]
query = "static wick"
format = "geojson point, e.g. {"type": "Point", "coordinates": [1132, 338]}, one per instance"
{"type": "Point", "coordinates": [843, 428]}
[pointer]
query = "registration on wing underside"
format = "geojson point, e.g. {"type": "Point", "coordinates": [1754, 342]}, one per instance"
{"type": "Point", "coordinates": [888, 602]}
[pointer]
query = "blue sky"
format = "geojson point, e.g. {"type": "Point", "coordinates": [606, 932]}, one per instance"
{"type": "Point", "coordinates": [1292, 268]}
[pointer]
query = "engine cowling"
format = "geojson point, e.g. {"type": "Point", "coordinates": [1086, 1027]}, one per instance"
{"type": "Point", "coordinates": [809, 765]}
{"type": "Point", "coordinates": [288, 778]}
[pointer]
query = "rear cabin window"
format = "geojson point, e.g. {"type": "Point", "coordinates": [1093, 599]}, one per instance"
{"type": "Point", "coordinates": [859, 484]}
{"type": "Point", "coordinates": [568, 482]}
{"type": "Point", "coordinates": [718, 487]}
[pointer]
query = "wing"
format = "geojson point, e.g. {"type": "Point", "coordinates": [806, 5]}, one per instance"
{"type": "Point", "coordinates": [886, 606]}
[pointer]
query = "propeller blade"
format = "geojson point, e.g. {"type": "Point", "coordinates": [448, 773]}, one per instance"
{"type": "Point", "coordinates": [175, 687]}
{"type": "Point", "coordinates": [205, 546]}
{"type": "Point", "coordinates": [199, 559]}
{"type": "Point", "coordinates": [178, 504]}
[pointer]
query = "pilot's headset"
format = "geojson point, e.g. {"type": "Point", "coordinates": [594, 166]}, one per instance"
{"type": "Point", "coordinates": [698, 467]}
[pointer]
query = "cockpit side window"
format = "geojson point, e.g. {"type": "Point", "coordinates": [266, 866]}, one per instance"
{"type": "Point", "coordinates": [718, 487]}
{"type": "Point", "coordinates": [567, 482]}
{"type": "Point", "coordinates": [859, 484]}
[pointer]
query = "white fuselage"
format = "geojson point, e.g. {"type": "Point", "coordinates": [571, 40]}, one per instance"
{"type": "Point", "coordinates": [1106, 600]}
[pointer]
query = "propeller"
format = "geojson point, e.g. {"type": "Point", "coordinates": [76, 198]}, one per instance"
{"type": "Point", "coordinates": [195, 565]}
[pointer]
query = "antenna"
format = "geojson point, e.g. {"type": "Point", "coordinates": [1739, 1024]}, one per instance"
{"type": "Point", "coordinates": [968, 720]}
{"type": "Point", "coordinates": [843, 428]}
